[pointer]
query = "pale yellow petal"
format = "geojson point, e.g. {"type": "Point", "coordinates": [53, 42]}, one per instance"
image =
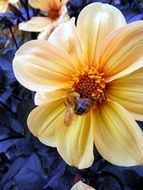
{"type": "Point", "coordinates": [65, 37]}
{"type": "Point", "coordinates": [128, 92]}
{"type": "Point", "coordinates": [3, 6]}
{"type": "Point", "coordinates": [137, 116]}
{"type": "Point", "coordinates": [81, 186]}
{"type": "Point", "coordinates": [44, 120]}
{"type": "Point", "coordinates": [36, 24]}
{"type": "Point", "coordinates": [13, 1]}
{"type": "Point", "coordinates": [44, 5]}
{"type": "Point", "coordinates": [75, 142]}
{"type": "Point", "coordinates": [122, 52]}
{"type": "Point", "coordinates": [41, 98]}
{"type": "Point", "coordinates": [44, 35]}
{"type": "Point", "coordinates": [64, 2]}
{"type": "Point", "coordinates": [40, 66]}
{"type": "Point", "coordinates": [64, 17]}
{"type": "Point", "coordinates": [117, 136]}
{"type": "Point", "coordinates": [94, 23]}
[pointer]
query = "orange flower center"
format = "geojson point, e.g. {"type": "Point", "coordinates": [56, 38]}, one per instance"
{"type": "Point", "coordinates": [89, 84]}
{"type": "Point", "coordinates": [54, 13]}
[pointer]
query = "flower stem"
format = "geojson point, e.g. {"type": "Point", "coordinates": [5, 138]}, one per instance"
{"type": "Point", "coordinates": [13, 37]}
{"type": "Point", "coordinates": [27, 9]}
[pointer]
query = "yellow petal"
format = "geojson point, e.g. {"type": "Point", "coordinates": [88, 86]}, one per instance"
{"type": "Point", "coordinates": [13, 1]}
{"type": "Point", "coordinates": [36, 24]}
{"type": "Point", "coordinates": [65, 37]}
{"type": "Point", "coordinates": [44, 5]}
{"type": "Point", "coordinates": [64, 17]}
{"type": "Point", "coordinates": [3, 6]}
{"type": "Point", "coordinates": [64, 2]}
{"type": "Point", "coordinates": [94, 23]}
{"type": "Point", "coordinates": [117, 136]}
{"type": "Point", "coordinates": [75, 142]}
{"type": "Point", "coordinates": [44, 120]}
{"type": "Point", "coordinates": [40, 66]}
{"type": "Point", "coordinates": [41, 98]}
{"type": "Point", "coordinates": [81, 186]}
{"type": "Point", "coordinates": [44, 35]}
{"type": "Point", "coordinates": [128, 92]}
{"type": "Point", "coordinates": [122, 52]}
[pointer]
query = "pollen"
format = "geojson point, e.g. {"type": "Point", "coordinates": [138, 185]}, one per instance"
{"type": "Point", "coordinates": [89, 84]}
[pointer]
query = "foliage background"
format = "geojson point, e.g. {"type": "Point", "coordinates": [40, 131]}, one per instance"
{"type": "Point", "coordinates": [27, 164]}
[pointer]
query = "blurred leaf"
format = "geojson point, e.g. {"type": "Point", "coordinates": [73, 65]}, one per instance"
{"type": "Point", "coordinates": [25, 174]}
{"type": "Point", "coordinates": [132, 15]}
{"type": "Point", "coordinates": [8, 20]}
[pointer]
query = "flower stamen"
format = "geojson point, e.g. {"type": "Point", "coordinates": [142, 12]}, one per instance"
{"type": "Point", "coordinates": [89, 84]}
{"type": "Point", "coordinates": [54, 13]}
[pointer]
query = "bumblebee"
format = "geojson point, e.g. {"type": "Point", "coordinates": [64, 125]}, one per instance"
{"type": "Point", "coordinates": [82, 105]}
{"type": "Point", "coordinates": [75, 105]}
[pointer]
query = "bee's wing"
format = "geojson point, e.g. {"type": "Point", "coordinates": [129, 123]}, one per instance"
{"type": "Point", "coordinates": [69, 114]}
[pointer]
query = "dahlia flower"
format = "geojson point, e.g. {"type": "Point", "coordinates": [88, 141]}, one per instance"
{"type": "Point", "coordinates": [89, 87]}
{"type": "Point", "coordinates": [56, 13]}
